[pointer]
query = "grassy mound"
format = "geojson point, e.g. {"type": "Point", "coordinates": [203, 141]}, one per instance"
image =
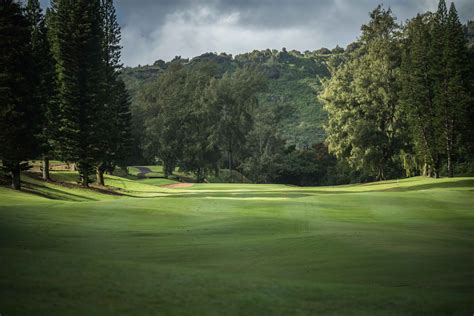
{"type": "Point", "coordinates": [396, 247]}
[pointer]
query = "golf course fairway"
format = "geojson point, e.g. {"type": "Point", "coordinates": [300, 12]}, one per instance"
{"type": "Point", "coordinates": [390, 248]}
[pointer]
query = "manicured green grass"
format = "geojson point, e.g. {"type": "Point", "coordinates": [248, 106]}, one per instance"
{"type": "Point", "coordinates": [158, 181]}
{"type": "Point", "coordinates": [394, 248]}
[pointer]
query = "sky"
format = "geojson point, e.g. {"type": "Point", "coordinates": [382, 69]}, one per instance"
{"type": "Point", "coordinates": [163, 29]}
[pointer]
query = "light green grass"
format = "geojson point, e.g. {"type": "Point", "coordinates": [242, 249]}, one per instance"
{"type": "Point", "coordinates": [158, 181]}
{"type": "Point", "coordinates": [393, 248]}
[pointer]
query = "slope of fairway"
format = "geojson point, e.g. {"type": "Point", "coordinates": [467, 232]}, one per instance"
{"type": "Point", "coordinates": [392, 248]}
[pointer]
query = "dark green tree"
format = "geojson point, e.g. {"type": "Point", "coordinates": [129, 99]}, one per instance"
{"type": "Point", "coordinates": [116, 113]}
{"type": "Point", "coordinates": [418, 84]}
{"type": "Point", "coordinates": [19, 115]}
{"type": "Point", "coordinates": [123, 126]}
{"type": "Point", "coordinates": [455, 85]}
{"type": "Point", "coordinates": [45, 96]}
{"type": "Point", "coordinates": [77, 48]}
{"type": "Point", "coordinates": [233, 99]}
{"type": "Point", "coordinates": [264, 147]}
{"type": "Point", "coordinates": [164, 100]}
{"type": "Point", "coordinates": [179, 121]}
{"type": "Point", "coordinates": [199, 155]}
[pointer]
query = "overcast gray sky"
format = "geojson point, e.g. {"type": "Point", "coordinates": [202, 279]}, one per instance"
{"type": "Point", "coordinates": [162, 29]}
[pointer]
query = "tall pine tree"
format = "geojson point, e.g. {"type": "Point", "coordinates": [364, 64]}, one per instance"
{"type": "Point", "coordinates": [123, 126]}
{"type": "Point", "coordinates": [455, 84]}
{"type": "Point", "coordinates": [115, 115]}
{"type": "Point", "coordinates": [45, 96]}
{"type": "Point", "coordinates": [435, 86]}
{"type": "Point", "coordinates": [418, 80]}
{"type": "Point", "coordinates": [18, 114]}
{"type": "Point", "coordinates": [77, 37]}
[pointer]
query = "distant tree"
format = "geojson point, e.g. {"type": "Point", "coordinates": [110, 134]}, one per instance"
{"type": "Point", "coordinates": [123, 126]}
{"type": "Point", "coordinates": [352, 47]}
{"type": "Point", "coordinates": [323, 51]}
{"type": "Point", "coordinates": [309, 166]}
{"type": "Point", "coordinates": [178, 124]}
{"type": "Point", "coordinates": [199, 155]}
{"type": "Point", "coordinates": [77, 48]}
{"type": "Point", "coordinates": [264, 147]}
{"type": "Point", "coordinates": [337, 50]}
{"type": "Point", "coordinates": [160, 63]}
{"type": "Point", "coordinates": [233, 99]}
{"type": "Point", "coordinates": [164, 100]}
{"type": "Point", "coordinates": [19, 114]}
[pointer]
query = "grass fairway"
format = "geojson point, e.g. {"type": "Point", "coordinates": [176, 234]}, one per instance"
{"type": "Point", "coordinates": [393, 248]}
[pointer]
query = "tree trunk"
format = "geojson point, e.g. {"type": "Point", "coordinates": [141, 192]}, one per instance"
{"type": "Point", "coordinates": [425, 170]}
{"type": "Point", "coordinates": [85, 180]}
{"type": "Point", "coordinates": [16, 183]}
{"type": "Point", "coordinates": [450, 163]}
{"type": "Point", "coordinates": [167, 170]}
{"type": "Point", "coordinates": [436, 167]}
{"type": "Point", "coordinates": [199, 175]}
{"type": "Point", "coordinates": [230, 162]}
{"type": "Point", "coordinates": [449, 147]}
{"type": "Point", "coordinates": [46, 176]}
{"type": "Point", "coordinates": [380, 176]}
{"type": "Point", "coordinates": [100, 176]}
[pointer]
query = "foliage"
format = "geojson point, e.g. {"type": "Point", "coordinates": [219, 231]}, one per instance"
{"type": "Point", "coordinates": [45, 96]}
{"type": "Point", "coordinates": [115, 114]}
{"type": "Point", "coordinates": [232, 100]}
{"type": "Point", "coordinates": [19, 115]}
{"type": "Point", "coordinates": [193, 116]}
{"type": "Point", "coordinates": [79, 69]}
{"type": "Point", "coordinates": [435, 85]}
{"type": "Point", "coordinates": [293, 83]}
{"type": "Point", "coordinates": [417, 94]}
{"type": "Point", "coordinates": [365, 126]}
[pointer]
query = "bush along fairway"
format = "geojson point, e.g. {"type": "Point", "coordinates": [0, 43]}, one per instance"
{"type": "Point", "coordinates": [390, 248]}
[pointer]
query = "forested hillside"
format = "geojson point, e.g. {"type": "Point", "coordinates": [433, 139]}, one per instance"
{"type": "Point", "coordinates": [294, 81]}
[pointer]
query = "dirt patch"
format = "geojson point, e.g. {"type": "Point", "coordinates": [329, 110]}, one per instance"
{"type": "Point", "coordinates": [178, 185]}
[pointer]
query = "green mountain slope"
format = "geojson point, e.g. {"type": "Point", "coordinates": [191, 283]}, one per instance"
{"type": "Point", "coordinates": [294, 80]}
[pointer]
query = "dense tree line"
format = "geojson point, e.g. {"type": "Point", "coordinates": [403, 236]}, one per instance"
{"type": "Point", "coordinates": [204, 119]}
{"type": "Point", "coordinates": [401, 102]}
{"type": "Point", "coordinates": [398, 102]}
{"type": "Point", "coordinates": [196, 119]}
{"type": "Point", "coordinates": [61, 94]}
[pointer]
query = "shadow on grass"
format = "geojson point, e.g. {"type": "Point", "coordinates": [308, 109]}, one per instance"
{"type": "Point", "coordinates": [468, 183]}
{"type": "Point", "coordinates": [54, 194]}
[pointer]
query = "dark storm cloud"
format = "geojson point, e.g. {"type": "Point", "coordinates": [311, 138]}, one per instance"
{"type": "Point", "coordinates": [162, 29]}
